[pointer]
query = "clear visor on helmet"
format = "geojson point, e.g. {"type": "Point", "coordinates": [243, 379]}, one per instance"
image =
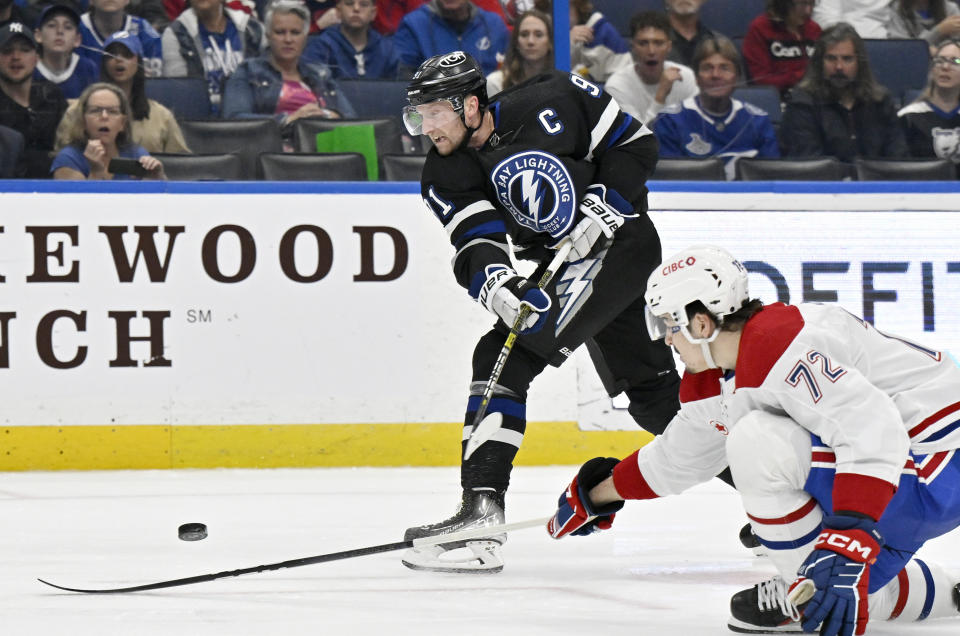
{"type": "Point", "coordinates": [438, 114]}
{"type": "Point", "coordinates": [657, 326]}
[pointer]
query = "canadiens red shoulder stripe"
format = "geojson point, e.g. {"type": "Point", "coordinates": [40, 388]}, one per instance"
{"type": "Point", "coordinates": [765, 337]}
{"type": "Point", "coordinates": [700, 386]}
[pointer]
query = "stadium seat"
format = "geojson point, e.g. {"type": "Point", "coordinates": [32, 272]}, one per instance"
{"type": "Point", "coordinates": [376, 98]}
{"type": "Point", "coordinates": [731, 17]}
{"type": "Point", "coordinates": [401, 167]}
{"type": "Point", "coordinates": [689, 170]}
{"type": "Point", "coordinates": [765, 97]}
{"type": "Point", "coordinates": [246, 137]}
{"type": "Point", "coordinates": [900, 65]}
{"type": "Point", "coordinates": [311, 166]}
{"type": "Point", "coordinates": [187, 97]}
{"type": "Point", "coordinates": [819, 169]}
{"type": "Point", "coordinates": [386, 132]}
{"type": "Point", "coordinates": [905, 170]}
{"type": "Point", "coordinates": [619, 12]}
{"type": "Point", "coordinates": [223, 167]}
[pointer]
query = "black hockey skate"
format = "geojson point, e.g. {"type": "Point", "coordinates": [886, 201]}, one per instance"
{"type": "Point", "coordinates": [478, 509]}
{"type": "Point", "coordinates": [764, 609]}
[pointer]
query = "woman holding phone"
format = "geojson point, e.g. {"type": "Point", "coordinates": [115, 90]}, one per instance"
{"type": "Point", "coordinates": [95, 133]}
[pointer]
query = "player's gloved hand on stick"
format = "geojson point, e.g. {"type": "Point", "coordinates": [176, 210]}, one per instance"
{"type": "Point", "coordinates": [604, 212]}
{"type": "Point", "coordinates": [505, 293]}
{"type": "Point", "coordinates": [576, 514]}
{"type": "Point", "coordinates": [835, 577]}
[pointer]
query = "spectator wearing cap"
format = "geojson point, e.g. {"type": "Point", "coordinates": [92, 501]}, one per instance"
{"type": "Point", "coordinates": [31, 107]}
{"type": "Point", "coordinates": [95, 132]}
{"type": "Point", "coordinates": [442, 26]}
{"type": "Point", "coordinates": [351, 48]}
{"type": "Point", "coordinates": [58, 34]}
{"type": "Point", "coordinates": [779, 43]}
{"type": "Point", "coordinates": [106, 17]}
{"type": "Point", "coordinates": [152, 125]}
{"type": "Point", "coordinates": [279, 83]}
{"type": "Point", "coordinates": [209, 40]}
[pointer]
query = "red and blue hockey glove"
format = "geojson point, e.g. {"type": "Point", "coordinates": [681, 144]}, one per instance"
{"type": "Point", "coordinates": [834, 578]}
{"type": "Point", "coordinates": [576, 514]}
{"type": "Point", "coordinates": [604, 212]}
{"type": "Point", "coordinates": [504, 293]}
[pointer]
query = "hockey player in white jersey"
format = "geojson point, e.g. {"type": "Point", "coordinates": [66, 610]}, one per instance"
{"type": "Point", "coordinates": [841, 439]}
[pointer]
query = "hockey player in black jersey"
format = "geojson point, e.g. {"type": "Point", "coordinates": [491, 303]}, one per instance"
{"type": "Point", "coordinates": [553, 159]}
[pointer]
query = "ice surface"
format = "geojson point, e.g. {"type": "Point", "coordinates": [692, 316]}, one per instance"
{"type": "Point", "coordinates": [667, 567]}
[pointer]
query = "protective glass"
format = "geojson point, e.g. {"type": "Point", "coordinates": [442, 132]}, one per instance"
{"type": "Point", "coordinates": [437, 114]}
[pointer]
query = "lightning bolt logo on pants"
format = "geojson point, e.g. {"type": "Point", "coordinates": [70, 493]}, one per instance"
{"type": "Point", "coordinates": [575, 287]}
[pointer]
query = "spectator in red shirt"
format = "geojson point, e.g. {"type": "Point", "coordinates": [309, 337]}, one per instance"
{"type": "Point", "coordinates": [390, 12]}
{"type": "Point", "coordinates": [779, 43]}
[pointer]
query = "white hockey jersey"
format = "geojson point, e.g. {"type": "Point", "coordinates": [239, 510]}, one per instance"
{"type": "Point", "coordinates": [870, 396]}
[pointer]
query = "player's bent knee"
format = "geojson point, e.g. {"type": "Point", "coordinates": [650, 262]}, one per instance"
{"type": "Point", "coordinates": [768, 452]}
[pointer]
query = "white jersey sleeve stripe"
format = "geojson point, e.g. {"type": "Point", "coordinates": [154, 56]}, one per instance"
{"type": "Point", "coordinates": [603, 126]}
{"type": "Point", "coordinates": [643, 132]}
{"type": "Point", "coordinates": [466, 213]}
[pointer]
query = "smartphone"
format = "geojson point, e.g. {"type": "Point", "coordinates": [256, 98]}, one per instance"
{"type": "Point", "coordinates": [131, 167]}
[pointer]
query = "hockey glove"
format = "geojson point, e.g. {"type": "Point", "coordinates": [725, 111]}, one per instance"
{"type": "Point", "coordinates": [576, 514]}
{"type": "Point", "coordinates": [834, 578]}
{"type": "Point", "coordinates": [604, 212]}
{"type": "Point", "coordinates": [505, 293]}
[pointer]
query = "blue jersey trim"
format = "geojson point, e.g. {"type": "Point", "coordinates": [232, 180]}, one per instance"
{"type": "Point", "coordinates": [490, 227]}
{"type": "Point", "coordinates": [618, 133]}
{"type": "Point", "coordinates": [943, 432]}
{"type": "Point", "coordinates": [790, 545]}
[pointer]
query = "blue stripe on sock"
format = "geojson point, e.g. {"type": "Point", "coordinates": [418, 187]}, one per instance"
{"type": "Point", "coordinates": [789, 545]}
{"type": "Point", "coordinates": [499, 405]}
{"type": "Point", "coordinates": [931, 592]}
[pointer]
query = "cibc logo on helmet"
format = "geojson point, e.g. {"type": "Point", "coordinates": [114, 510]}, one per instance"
{"type": "Point", "coordinates": [683, 263]}
{"type": "Point", "coordinates": [453, 59]}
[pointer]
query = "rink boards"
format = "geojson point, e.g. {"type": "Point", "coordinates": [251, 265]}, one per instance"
{"type": "Point", "coordinates": [200, 325]}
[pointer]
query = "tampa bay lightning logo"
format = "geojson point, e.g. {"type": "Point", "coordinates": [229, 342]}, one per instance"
{"type": "Point", "coordinates": [537, 189]}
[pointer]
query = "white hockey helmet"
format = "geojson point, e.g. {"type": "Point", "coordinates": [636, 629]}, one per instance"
{"type": "Point", "coordinates": [706, 273]}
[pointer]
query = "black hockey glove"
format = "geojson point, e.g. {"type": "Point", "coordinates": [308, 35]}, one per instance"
{"type": "Point", "coordinates": [576, 514]}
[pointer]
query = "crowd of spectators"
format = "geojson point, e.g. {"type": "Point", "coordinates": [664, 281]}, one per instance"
{"type": "Point", "coordinates": [284, 59]}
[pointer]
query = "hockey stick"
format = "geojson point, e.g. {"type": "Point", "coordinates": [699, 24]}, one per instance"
{"type": "Point", "coordinates": [463, 535]}
{"type": "Point", "coordinates": [482, 431]}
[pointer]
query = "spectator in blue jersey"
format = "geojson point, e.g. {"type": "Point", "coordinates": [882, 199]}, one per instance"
{"type": "Point", "coordinates": [280, 84]}
{"type": "Point", "coordinates": [713, 124]}
{"type": "Point", "coordinates": [97, 131]}
{"type": "Point", "coordinates": [58, 33]}
{"type": "Point", "coordinates": [32, 107]}
{"type": "Point", "coordinates": [931, 124]}
{"type": "Point", "coordinates": [351, 48]}
{"type": "Point", "coordinates": [442, 26]}
{"type": "Point", "coordinates": [596, 49]}
{"type": "Point", "coordinates": [838, 109]}
{"type": "Point", "coordinates": [209, 40]}
{"type": "Point", "coordinates": [107, 17]}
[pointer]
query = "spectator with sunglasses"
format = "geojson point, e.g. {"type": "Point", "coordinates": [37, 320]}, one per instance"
{"type": "Point", "coordinates": [932, 122]}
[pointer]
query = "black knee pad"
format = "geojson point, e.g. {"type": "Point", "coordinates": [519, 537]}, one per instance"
{"type": "Point", "coordinates": [521, 368]}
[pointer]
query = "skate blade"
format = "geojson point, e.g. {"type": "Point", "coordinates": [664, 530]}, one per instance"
{"type": "Point", "coordinates": [476, 557]}
{"type": "Point", "coordinates": [740, 627]}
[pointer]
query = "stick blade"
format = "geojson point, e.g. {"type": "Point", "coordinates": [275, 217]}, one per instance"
{"type": "Point", "coordinates": [482, 433]}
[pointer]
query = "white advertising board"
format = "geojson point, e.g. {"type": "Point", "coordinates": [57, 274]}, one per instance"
{"type": "Point", "coordinates": [287, 308]}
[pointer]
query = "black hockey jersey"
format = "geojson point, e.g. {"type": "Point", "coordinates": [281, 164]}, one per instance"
{"type": "Point", "coordinates": [554, 135]}
{"type": "Point", "coordinates": [930, 131]}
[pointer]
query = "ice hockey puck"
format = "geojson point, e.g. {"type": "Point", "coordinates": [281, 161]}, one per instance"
{"type": "Point", "coordinates": [192, 532]}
